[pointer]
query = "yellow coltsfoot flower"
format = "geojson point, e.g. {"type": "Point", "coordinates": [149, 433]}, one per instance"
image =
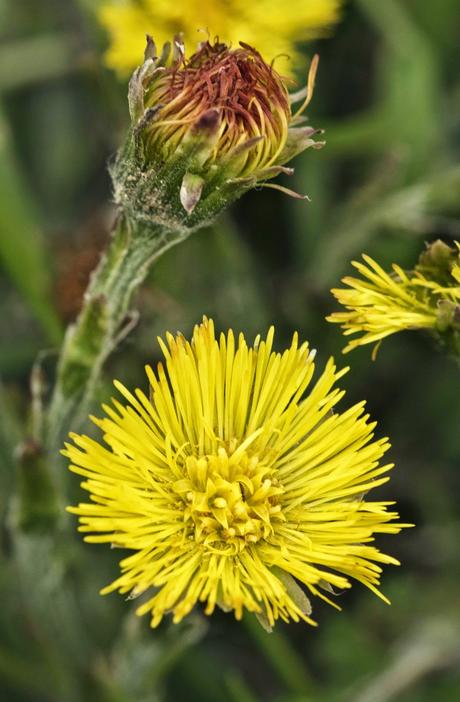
{"type": "Point", "coordinates": [273, 27]}
{"type": "Point", "coordinates": [381, 303]}
{"type": "Point", "coordinates": [234, 482]}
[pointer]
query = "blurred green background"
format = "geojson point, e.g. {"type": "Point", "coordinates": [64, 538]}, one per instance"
{"type": "Point", "coordinates": [388, 94]}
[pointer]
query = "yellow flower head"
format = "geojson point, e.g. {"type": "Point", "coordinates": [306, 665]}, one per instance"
{"type": "Point", "coordinates": [271, 26]}
{"type": "Point", "coordinates": [234, 482]}
{"type": "Point", "coordinates": [379, 303]}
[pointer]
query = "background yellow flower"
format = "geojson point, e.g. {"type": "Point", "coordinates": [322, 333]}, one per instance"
{"type": "Point", "coordinates": [381, 303]}
{"type": "Point", "coordinates": [269, 25]}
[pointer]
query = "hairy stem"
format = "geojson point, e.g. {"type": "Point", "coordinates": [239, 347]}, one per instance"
{"type": "Point", "coordinates": [103, 321]}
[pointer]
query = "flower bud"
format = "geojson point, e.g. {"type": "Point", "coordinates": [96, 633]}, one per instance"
{"type": "Point", "coordinates": [205, 130]}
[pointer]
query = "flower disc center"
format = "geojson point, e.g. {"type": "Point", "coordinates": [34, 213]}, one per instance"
{"type": "Point", "coordinates": [229, 501]}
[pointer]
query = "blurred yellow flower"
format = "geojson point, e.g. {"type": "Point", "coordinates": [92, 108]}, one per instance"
{"type": "Point", "coordinates": [379, 303]}
{"type": "Point", "coordinates": [233, 486]}
{"type": "Point", "coordinates": [272, 27]}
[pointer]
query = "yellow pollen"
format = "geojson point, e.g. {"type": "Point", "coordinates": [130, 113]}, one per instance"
{"type": "Point", "coordinates": [228, 504]}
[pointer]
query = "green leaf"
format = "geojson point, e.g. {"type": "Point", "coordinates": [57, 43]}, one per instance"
{"type": "Point", "coordinates": [22, 249]}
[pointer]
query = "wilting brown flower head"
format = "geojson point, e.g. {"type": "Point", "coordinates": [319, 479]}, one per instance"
{"type": "Point", "coordinates": [234, 94]}
{"type": "Point", "coordinates": [221, 121]}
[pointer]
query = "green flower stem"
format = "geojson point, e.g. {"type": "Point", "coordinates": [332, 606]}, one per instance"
{"type": "Point", "coordinates": [103, 321]}
{"type": "Point", "coordinates": [237, 688]}
{"type": "Point", "coordinates": [289, 666]}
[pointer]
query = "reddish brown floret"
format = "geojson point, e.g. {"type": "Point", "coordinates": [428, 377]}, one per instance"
{"type": "Point", "coordinates": [230, 80]}
{"type": "Point", "coordinates": [248, 95]}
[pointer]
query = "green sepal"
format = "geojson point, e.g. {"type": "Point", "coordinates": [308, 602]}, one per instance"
{"type": "Point", "coordinates": [299, 139]}
{"type": "Point", "coordinates": [82, 341]}
{"type": "Point", "coordinates": [293, 589]}
{"type": "Point", "coordinates": [437, 261]}
{"type": "Point", "coordinates": [447, 316]}
{"type": "Point", "coordinates": [190, 191]}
